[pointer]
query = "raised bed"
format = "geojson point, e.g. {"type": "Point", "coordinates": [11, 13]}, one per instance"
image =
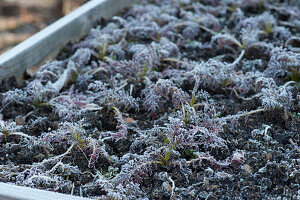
{"type": "Point", "coordinates": [173, 99]}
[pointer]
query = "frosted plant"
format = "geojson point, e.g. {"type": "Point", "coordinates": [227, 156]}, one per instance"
{"type": "Point", "coordinates": [142, 29]}
{"type": "Point", "coordinates": [165, 88]}
{"type": "Point", "coordinates": [148, 57]}
{"type": "Point", "coordinates": [282, 32]}
{"type": "Point", "coordinates": [34, 93]}
{"type": "Point", "coordinates": [211, 74]}
{"type": "Point", "coordinates": [238, 158]}
{"type": "Point", "coordinates": [191, 31]}
{"type": "Point", "coordinates": [167, 49]}
{"type": "Point", "coordinates": [265, 21]}
{"type": "Point", "coordinates": [96, 150]}
{"type": "Point", "coordinates": [281, 62]}
{"type": "Point", "coordinates": [69, 132]}
{"type": "Point", "coordinates": [98, 37]}
{"type": "Point", "coordinates": [155, 95]}
{"type": "Point", "coordinates": [169, 31]}
{"type": "Point", "coordinates": [145, 57]}
{"type": "Point", "coordinates": [116, 51]}
{"type": "Point", "coordinates": [82, 56]}
{"type": "Point", "coordinates": [129, 191]}
{"type": "Point", "coordinates": [71, 104]}
{"type": "Point", "coordinates": [202, 136]}
{"type": "Point", "coordinates": [159, 60]}
{"type": "Point", "coordinates": [50, 70]}
{"type": "Point", "coordinates": [225, 39]}
{"type": "Point", "coordinates": [135, 170]}
{"type": "Point", "coordinates": [13, 96]}
{"type": "Point", "coordinates": [122, 126]}
{"type": "Point", "coordinates": [152, 101]}
{"type": "Point", "coordinates": [115, 96]}
{"type": "Point", "coordinates": [129, 68]}
{"type": "Point", "coordinates": [249, 35]}
{"type": "Point", "coordinates": [272, 95]}
{"type": "Point", "coordinates": [147, 12]}
{"type": "Point", "coordinates": [8, 129]}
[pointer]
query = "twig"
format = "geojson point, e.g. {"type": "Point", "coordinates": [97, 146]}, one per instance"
{"type": "Point", "coordinates": [94, 71]}
{"type": "Point", "coordinates": [43, 177]}
{"type": "Point", "coordinates": [288, 83]}
{"type": "Point", "coordinates": [242, 115]}
{"type": "Point", "coordinates": [56, 166]}
{"type": "Point", "coordinates": [174, 60]}
{"type": "Point", "coordinates": [65, 77]}
{"type": "Point", "coordinates": [66, 97]}
{"type": "Point", "coordinates": [238, 59]}
{"type": "Point", "coordinates": [246, 99]}
{"type": "Point", "coordinates": [294, 144]}
{"type": "Point", "coordinates": [173, 185]}
{"type": "Point", "coordinates": [72, 190]}
{"type": "Point", "coordinates": [201, 26]}
{"type": "Point", "coordinates": [59, 156]}
{"type": "Point", "coordinates": [18, 134]}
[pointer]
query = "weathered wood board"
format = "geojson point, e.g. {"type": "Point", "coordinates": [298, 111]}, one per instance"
{"type": "Point", "coordinates": [47, 43]}
{"type": "Point", "coordinates": [13, 192]}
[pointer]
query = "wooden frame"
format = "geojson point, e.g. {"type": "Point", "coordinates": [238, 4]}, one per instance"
{"type": "Point", "coordinates": [47, 43]}
{"type": "Point", "coordinates": [13, 192]}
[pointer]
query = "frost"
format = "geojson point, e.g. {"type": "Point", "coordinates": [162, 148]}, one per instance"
{"type": "Point", "coordinates": [272, 95]}
{"type": "Point", "coordinates": [142, 29]}
{"type": "Point", "coordinates": [115, 96]}
{"type": "Point", "coordinates": [153, 104]}
{"type": "Point", "coordinates": [82, 56]}
{"type": "Point", "coordinates": [281, 62]}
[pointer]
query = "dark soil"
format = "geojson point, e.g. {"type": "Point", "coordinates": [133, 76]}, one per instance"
{"type": "Point", "coordinates": [158, 105]}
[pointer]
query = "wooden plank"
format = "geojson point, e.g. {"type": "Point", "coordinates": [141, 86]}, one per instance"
{"type": "Point", "coordinates": [13, 192]}
{"type": "Point", "coordinates": [47, 43]}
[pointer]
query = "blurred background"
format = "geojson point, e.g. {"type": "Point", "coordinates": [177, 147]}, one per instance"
{"type": "Point", "coordinates": [19, 19]}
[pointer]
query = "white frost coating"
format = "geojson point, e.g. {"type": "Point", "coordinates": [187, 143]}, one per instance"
{"type": "Point", "coordinates": [65, 77]}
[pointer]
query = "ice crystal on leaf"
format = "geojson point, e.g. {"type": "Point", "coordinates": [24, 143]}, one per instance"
{"type": "Point", "coordinates": [260, 22]}
{"type": "Point", "coordinates": [134, 172]}
{"type": "Point", "coordinates": [202, 136]}
{"type": "Point", "coordinates": [82, 56]}
{"type": "Point", "coordinates": [155, 95]}
{"type": "Point", "coordinates": [237, 158]}
{"type": "Point", "coordinates": [148, 57]}
{"type": "Point", "coordinates": [71, 104]}
{"type": "Point", "coordinates": [115, 96]}
{"type": "Point", "coordinates": [142, 29]}
{"type": "Point", "coordinates": [116, 51]}
{"type": "Point", "coordinates": [272, 95]}
{"type": "Point", "coordinates": [211, 74]}
{"type": "Point", "coordinates": [121, 126]}
{"type": "Point", "coordinates": [224, 39]}
{"type": "Point", "coordinates": [13, 95]}
{"type": "Point", "coordinates": [281, 62]}
{"type": "Point", "coordinates": [191, 31]}
{"type": "Point", "coordinates": [153, 102]}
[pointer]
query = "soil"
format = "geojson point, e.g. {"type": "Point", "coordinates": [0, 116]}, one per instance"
{"type": "Point", "coordinates": [213, 148]}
